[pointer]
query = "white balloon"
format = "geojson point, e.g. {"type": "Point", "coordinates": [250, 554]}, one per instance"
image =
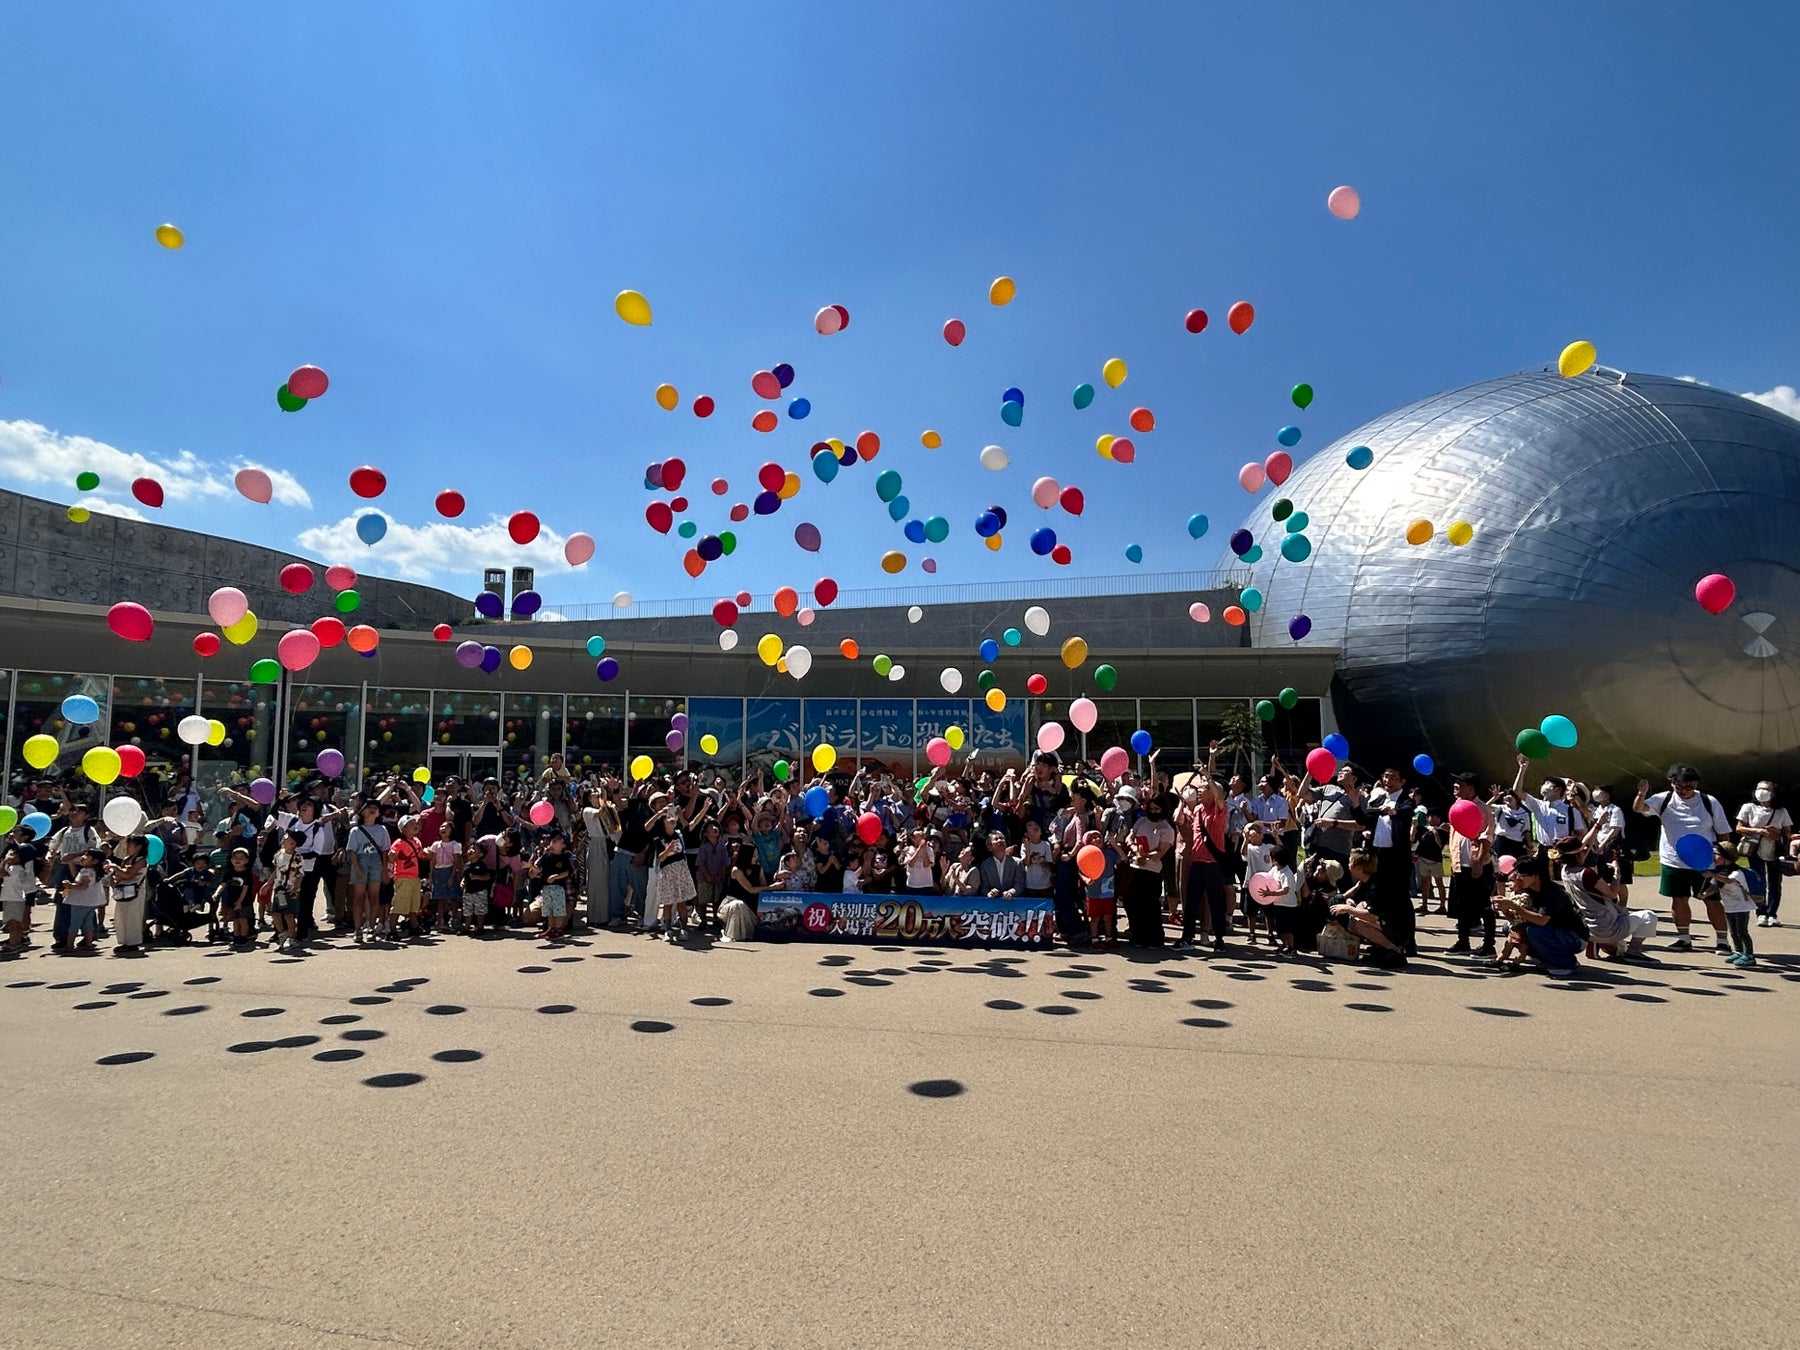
{"type": "Point", "coordinates": [805, 617]}
{"type": "Point", "coordinates": [994, 459]}
{"type": "Point", "coordinates": [193, 729]}
{"type": "Point", "coordinates": [896, 672]}
{"type": "Point", "coordinates": [622, 600]}
{"type": "Point", "coordinates": [1037, 619]}
{"type": "Point", "coordinates": [227, 605]}
{"type": "Point", "coordinates": [914, 614]}
{"type": "Point", "coordinates": [799, 661]}
{"type": "Point", "coordinates": [727, 639]}
{"type": "Point", "coordinates": [122, 815]}
{"type": "Point", "coordinates": [951, 679]}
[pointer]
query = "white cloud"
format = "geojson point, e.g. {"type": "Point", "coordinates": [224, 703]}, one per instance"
{"type": "Point", "coordinates": [101, 507]}
{"type": "Point", "coordinates": [550, 616]}
{"type": "Point", "coordinates": [440, 549]}
{"type": "Point", "coordinates": [1781, 398]}
{"type": "Point", "coordinates": [31, 453]}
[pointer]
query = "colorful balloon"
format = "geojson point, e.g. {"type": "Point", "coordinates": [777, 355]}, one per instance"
{"type": "Point", "coordinates": [1298, 627]}
{"type": "Point", "coordinates": [1199, 612]}
{"type": "Point", "coordinates": [994, 459]}
{"type": "Point", "coordinates": [1084, 715]}
{"type": "Point", "coordinates": [1084, 395]}
{"type": "Point", "coordinates": [1360, 458]}
{"type": "Point", "coordinates": [131, 621]}
{"type": "Point", "coordinates": [1114, 762]}
{"type": "Point", "coordinates": [254, 484]}
{"type": "Point", "coordinates": [1715, 592]}
{"type": "Point", "coordinates": [1278, 466]}
{"type": "Point", "coordinates": [955, 332]}
{"type": "Point", "coordinates": [1321, 764]}
{"type": "Point", "coordinates": [633, 308]}
{"type": "Point", "coordinates": [297, 649]}
{"type": "Point", "coordinates": [148, 491]}
{"type": "Point", "coordinates": [1195, 322]}
{"type": "Point", "coordinates": [40, 751]}
{"type": "Point", "coordinates": [371, 528]}
{"type": "Point", "coordinates": [1197, 525]}
{"type": "Point", "coordinates": [1419, 532]}
{"type": "Point", "coordinates": [101, 764]}
{"type": "Point", "coordinates": [264, 671]}
{"type": "Point", "coordinates": [1240, 316]}
{"type": "Point", "coordinates": [1002, 290]}
{"type": "Point", "coordinates": [1576, 359]}
{"type": "Point", "coordinates": [1559, 731]}
{"type": "Point", "coordinates": [1288, 435]}
{"type": "Point", "coordinates": [288, 401]}
{"type": "Point", "coordinates": [1460, 532]}
{"type": "Point", "coordinates": [170, 237]}
{"type": "Point", "coordinates": [308, 382]}
{"type": "Point", "coordinates": [1343, 202]}
{"type": "Point", "coordinates": [1114, 372]}
{"type": "Point", "coordinates": [1532, 744]}
{"type": "Point", "coordinates": [1252, 476]}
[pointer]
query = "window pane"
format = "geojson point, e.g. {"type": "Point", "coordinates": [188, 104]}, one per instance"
{"type": "Point", "coordinates": [594, 732]}
{"type": "Point", "coordinates": [723, 720]}
{"type": "Point", "coordinates": [248, 750]}
{"type": "Point", "coordinates": [887, 734]}
{"type": "Point", "coordinates": [39, 712]}
{"type": "Point", "coordinates": [651, 720]}
{"type": "Point", "coordinates": [1117, 720]}
{"type": "Point", "coordinates": [465, 717]}
{"type": "Point", "coordinates": [532, 726]}
{"type": "Point", "coordinates": [396, 731]}
{"type": "Point", "coordinates": [1296, 730]}
{"type": "Point", "coordinates": [324, 717]}
{"type": "Point", "coordinates": [1170, 722]}
{"type": "Point", "coordinates": [771, 731]}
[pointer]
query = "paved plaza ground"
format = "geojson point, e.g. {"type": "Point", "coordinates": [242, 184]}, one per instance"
{"type": "Point", "coordinates": [624, 1143]}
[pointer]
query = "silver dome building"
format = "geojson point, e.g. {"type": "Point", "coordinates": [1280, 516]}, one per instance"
{"type": "Point", "coordinates": [1596, 504]}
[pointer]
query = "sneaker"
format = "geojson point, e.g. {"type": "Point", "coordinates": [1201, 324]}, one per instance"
{"type": "Point", "coordinates": [1682, 943]}
{"type": "Point", "coordinates": [1486, 951]}
{"type": "Point", "coordinates": [1183, 945]}
{"type": "Point", "coordinates": [1721, 947]}
{"type": "Point", "coordinates": [1764, 922]}
{"type": "Point", "coordinates": [1748, 963]}
{"type": "Point", "coordinates": [1735, 959]}
{"type": "Point", "coordinates": [1562, 972]}
{"type": "Point", "coordinates": [1460, 947]}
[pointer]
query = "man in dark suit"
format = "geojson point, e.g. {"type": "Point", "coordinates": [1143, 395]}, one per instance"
{"type": "Point", "coordinates": [1001, 876]}
{"type": "Point", "coordinates": [1392, 805]}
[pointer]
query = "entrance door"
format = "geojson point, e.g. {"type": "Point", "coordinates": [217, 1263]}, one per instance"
{"type": "Point", "coordinates": [472, 766]}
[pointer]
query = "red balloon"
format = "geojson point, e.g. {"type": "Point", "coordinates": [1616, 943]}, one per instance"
{"type": "Point", "coordinates": [308, 382]}
{"type": "Point", "coordinates": [1036, 684]}
{"type": "Point", "coordinates": [1072, 500]}
{"type": "Point", "coordinates": [1142, 419]}
{"type": "Point", "coordinates": [825, 591]}
{"type": "Point", "coordinates": [787, 600]}
{"type": "Point", "coordinates": [743, 599]}
{"type": "Point", "coordinates": [771, 476]}
{"type": "Point", "coordinates": [673, 472]}
{"type": "Point", "coordinates": [1196, 321]}
{"type": "Point", "coordinates": [659, 515]}
{"type": "Point", "coordinates": [955, 332]}
{"type": "Point", "coordinates": [131, 621]}
{"type": "Point", "coordinates": [1061, 555]}
{"type": "Point", "coordinates": [441, 632]}
{"type": "Point", "coordinates": [450, 503]}
{"type": "Point", "coordinates": [148, 491]}
{"type": "Point", "coordinates": [725, 614]}
{"type": "Point", "coordinates": [1123, 451]}
{"type": "Point", "coordinates": [868, 444]}
{"type": "Point", "coordinates": [678, 505]}
{"type": "Point", "coordinates": [764, 421]}
{"type": "Point", "coordinates": [330, 630]}
{"type": "Point", "coordinates": [720, 487]}
{"type": "Point", "coordinates": [703, 406]}
{"type": "Point", "coordinates": [206, 644]}
{"type": "Point", "coordinates": [1240, 316]}
{"type": "Point", "coordinates": [131, 761]}
{"type": "Point", "coordinates": [296, 578]}
{"type": "Point", "coordinates": [868, 827]}
{"type": "Point", "coordinates": [740, 512]}
{"type": "Point", "coordinates": [368, 482]}
{"type": "Point", "coordinates": [1278, 466]}
{"type": "Point", "coordinates": [1715, 592]}
{"type": "Point", "coordinates": [843, 317]}
{"type": "Point", "coordinates": [765, 384]}
{"type": "Point", "coordinates": [694, 563]}
{"type": "Point", "coordinates": [523, 527]}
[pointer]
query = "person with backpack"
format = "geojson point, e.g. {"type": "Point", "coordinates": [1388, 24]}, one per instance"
{"type": "Point", "coordinates": [1767, 827]}
{"type": "Point", "coordinates": [1683, 812]}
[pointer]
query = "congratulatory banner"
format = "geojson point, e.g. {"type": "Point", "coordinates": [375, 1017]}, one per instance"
{"type": "Point", "coordinates": [935, 920]}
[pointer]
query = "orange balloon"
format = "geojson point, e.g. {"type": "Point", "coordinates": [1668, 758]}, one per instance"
{"type": "Point", "coordinates": [764, 420]}
{"type": "Point", "coordinates": [789, 486]}
{"type": "Point", "coordinates": [868, 445]}
{"type": "Point", "coordinates": [787, 600]}
{"type": "Point", "coordinates": [1142, 419]}
{"type": "Point", "coordinates": [781, 664]}
{"type": "Point", "coordinates": [363, 638]}
{"type": "Point", "coordinates": [1234, 615]}
{"type": "Point", "coordinates": [694, 563]}
{"type": "Point", "coordinates": [849, 648]}
{"type": "Point", "coordinates": [993, 543]}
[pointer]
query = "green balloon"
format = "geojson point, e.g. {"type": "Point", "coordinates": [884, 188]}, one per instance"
{"type": "Point", "coordinates": [87, 481]}
{"type": "Point", "coordinates": [1288, 697]}
{"type": "Point", "coordinates": [347, 602]}
{"type": "Point", "coordinates": [1302, 396]}
{"type": "Point", "coordinates": [1106, 677]}
{"type": "Point", "coordinates": [1266, 710]}
{"type": "Point", "coordinates": [265, 671]}
{"type": "Point", "coordinates": [9, 818]}
{"type": "Point", "coordinates": [1084, 395]}
{"type": "Point", "coordinates": [289, 402]}
{"type": "Point", "coordinates": [782, 770]}
{"type": "Point", "coordinates": [1282, 509]}
{"type": "Point", "coordinates": [987, 680]}
{"type": "Point", "coordinates": [687, 529]}
{"type": "Point", "coordinates": [883, 665]}
{"type": "Point", "coordinates": [727, 542]}
{"type": "Point", "coordinates": [1532, 744]}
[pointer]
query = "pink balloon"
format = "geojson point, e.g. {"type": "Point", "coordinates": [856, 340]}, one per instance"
{"type": "Point", "coordinates": [929, 565]}
{"type": "Point", "coordinates": [1050, 736]}
{"type": "Point", "coordinates": [578, 548]}
{"type": "Point", "coordinates": [937, 750]}
{"type": "Point", "coordinates": [340, 578]}
{"type": "Point", "coordinates": [1122, 451]}
{"type": "Point", "coordinates": [1278, 466]}
{"type": "Point", "coordinates": [1344, 202]}
{"type": "Point", "coordinates": [1506, 864]}
{"type": "Point", "coordinates": [297, 650]}
{"type": "Point", "coordinates": [254, 484]}
{"type": "Point", "coordinates": [542, 813]}
{"type": "Point", "coordinates": [1321, 764]}
{"type": "Point", "coordinates": [1045, 492]}
{"type": "Point", "coordinates": [227, 605]}
{"type": "Point", "coordinates": [131, 621]}
{"type": "Point", "coordinates": [1466, 819]}
{"type": "Point", "coordinates": [805, 617]}
{"type": "Point", "coordinates": [1114, 762]}
{"type": "Point", "coordinates": [827, 321]}
{"type": "Point", "coordinates": [1715, 593]}
{"type": "Point", "coordinates": [1263, 887]}
{"type": "Point", "coordinates": [1251, 477]}
{"type": "Point", "coordinates": [1083, 715]}
{"type": "Point", "coordinates": [1198, 612]}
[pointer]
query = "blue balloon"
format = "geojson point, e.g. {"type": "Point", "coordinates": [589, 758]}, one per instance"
{"type": "Point", "coordinates": [527, 603]}
{"type": "Point", "coordinates": [1241, 542]}
{"type": "Point", "coordinates": [1043, 540]}
{"type": "Point", "coordinates": [1360, 458]}
{"type": "Point", "coordinates": [887, 486]}
{"type": "Point", "coordinates": [990, 650]}
{"type": "Point", "coordinates": [784, 374]}
{"type": "Point", "coordinates": [1014, 396]}
{"type": "Point", "coordinates": [766, 504]}
{"type": "Point", "coordinates": [1296, 548]}
{"type": "Point", "coordinates": [371, 528]}
{"type": "Point", "coordinates": [1297, 522]}
{"type": "Point", "coordinates": [595, 645]}
{"type": "Point", "coordinates": [987, 524]}
{"type": "Point", "coordinates": [1012, 637]}
{"type": "Point", "coordinates": [1012, 413]}
{"type": "Point", "coordinates": [1337, 745]}
{"type": "Point", "coordinates": [999, 514]}
{"type": "Point", "coordinates": [607, 669]}
{"type": "Point", "coordinates": [1424, 765]}
{"type": "Point", "coordinates": [915, 531]}
{"type": "Point", "coordinates": [489, 605]}
{"type": "Point", "coordinates": [490, 659]}
{"type": "Point", "coordinates": [799, 408]}
{"type": "Point", "coordinates": [825, 466]}
{"type": "Point", "coordinates": [817, 801]}
{"type": "Point", "coordinates": [1140, 742]}
{"type": "Point", "coordinates": [1134, 553]}
{"type": "Point", "coordinates": [1695, 852]}
{"type": "Point", "coordinates": [711, 547]}
{"type": "Point", "coordinates": [937, 529]}
{"type": "Point", "coordinates": [153, 849]}
{"type": "Point", "coordinates": [1288, 435]}
{"type": "Point", "coordinates": [1197, 525]}
{"type": "Point", "coordinates": [1558, 730]}
{"type": "Point", "coordinates": [898, 508]}
{"type": "Point", "coordinates": [38, 823]}
{"type": "Point", "coordinates": [1253, 554]}
{"type": "Point", "coordinates": [80, 709]}
{"type": "Point", "coordinates": [1251, 599]}
{"type": "Point", "coordinates": [1084, 395]}
{"type": "Point", "coordinates": [849, 455]}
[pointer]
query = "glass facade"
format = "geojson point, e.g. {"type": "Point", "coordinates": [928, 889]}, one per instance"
{"type": "Point", "coordinates": [594, 732]}
{"type": "Point", "coordinates": [723, 720]}
{"type": "Point", "coordinates": [465, 717]}
{"type": "Point", "coordinates": [647, 729]}
{"type": "Point", "coordinates": [320, 717]}
{"type": "Point", "coordinates": [397, 729]}
{"type": "Point", "coordinates": [532, 727]}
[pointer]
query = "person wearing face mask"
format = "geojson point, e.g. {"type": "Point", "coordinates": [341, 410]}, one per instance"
{"type": "Point", "coordinates": [1608, 850]}
{"type": "Point", "coordinates": [1767, 827]}
{"type": "Point", "coordinates": [1152, 840]}
{"type": "Point", "coordinates": [1555, 816]}
{"type": "Point", "coordinates": [1200, 829]}
{"type": "Point", "coordinates": [1682, 811]}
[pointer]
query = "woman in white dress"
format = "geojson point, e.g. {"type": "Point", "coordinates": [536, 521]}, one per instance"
{"type": "Point", "coordinates": [601, 820]}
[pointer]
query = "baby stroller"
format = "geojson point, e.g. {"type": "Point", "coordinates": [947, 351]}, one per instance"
{"type": "Point", "coordinates": [179, 904]}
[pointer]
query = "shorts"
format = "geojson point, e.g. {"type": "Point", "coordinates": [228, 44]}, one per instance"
{"type": "Point", "coordinates": [16, 911]}
{"type": "Point", "coordinates": [83, 920]}
{"type": "Point", "coordinates": [365, 869]}
{"type": "Point", "coordinates": [406, 895]}
{"type": "Point", "coordinates": [1102, 906]}
{"type": "Point", "coordinates": [1681, 883]}
{"type": "Point", "coordinates": [1426, 868]}
{"type": "Point", "coordinates": [554, 901]}
{"type": "Point", "coordinates": [474, 904]}
{"type": "Point", "coordinates": [286, 903]}
{"type": "Point", "coordinates": [443, 883]}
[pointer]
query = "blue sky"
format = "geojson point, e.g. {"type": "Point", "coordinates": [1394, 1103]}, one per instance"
{"type": "Point", "coordinates": [437, 203]}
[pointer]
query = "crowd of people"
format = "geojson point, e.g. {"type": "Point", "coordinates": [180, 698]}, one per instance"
{"type": "Point", "coordinates": [1342, 868]}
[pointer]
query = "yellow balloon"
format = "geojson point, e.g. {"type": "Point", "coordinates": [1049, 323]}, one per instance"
{"type": "Point", "coordinates": [1103, 444]}
{"type": "Point", "coordinates": [893, 561]}
{"type": "Point", "coordinates": [632, 307]}
{"type": "Point", "coordinates": [709, 744]}
{"type": "Point", "coordinates": [40, 751]}
{"type": "Point", "coordinates": [824, 756]}
{"type": "Point", "coordinates": [101, 764]}
{"type": "Point", "coordinates": [1460, 533]}
{"type": "Point", "coordinates": [768, 646]}
{"type": "Point", "coordinates": [421, 774]}
{"type": "Point", "coordinates": [170, 237]}
{"type": "Point", "coordinates": [789, 486]}
{"type": "Point", "coordinates": [1074, 652]}
{"type": "Point", "coordinates": [641, 768]}
{"type": "Point", "coordinates": [215, 731]}
{"type": "Point", "coordinates": [1002, 291]}
{"type": "Point", "coordinates": [1575, 359]}
{"type": "Point", "coordinates": [520, 657]}
{"type": "Point", "coordinates": [931, 440]}
{"type": "Point", "coordinates": [1418, 532]}
{"type": "Point", "coordinates": [837, 446]}
{"type": "Point", "coordinates": [781, 666]}
{"type": "Point", "coordinates": [996, 700]}
{"type": "Point", "coordinates": [954, 735]}
{"type": "Point", "coordinates": [666, 397]}
{"type": "Point", "coordinates": [1113, 372]}
{"type": "Point", "coordinates": [78, 514]}
{"type": "Point", "coordinates": [243, 630]}
{"type": "Point", "coordinates": [993, 543]}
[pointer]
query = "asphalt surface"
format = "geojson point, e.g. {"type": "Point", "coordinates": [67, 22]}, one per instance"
{"type": "Point", "coordinates": [625, 1143]}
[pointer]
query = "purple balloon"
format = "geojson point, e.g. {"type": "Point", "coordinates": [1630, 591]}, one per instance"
{"type": "Point", "coordinates": [673, 740]}
{"type": "Point", "coordinates": [930, 564]}
{"type": "Point", "coordinates": [527, 603]}
{"type": "Point", "coordinates": [679, 722]}
{"type": "Point", "coordinates": [331, 763]}
{"type": "Point", "coordinates": [468, 655]}
{"type": "Point", "coordinates": [489, 605]}
{"type": "Point", "coordinates": [1299, 626]}
{"type": "Point", "coordinates": [1241, 542]}
{"type": "Point", "coordinates": [766, 504]}
{"type": "Point", "coordinates": [262, 792]}
{"type": "Point", "coordinates": [806, 534]}
{"type": "Point", "coordinates": [784, 374]}
{"type": "Point", "coordinates": [710, 547]}
{"type": "Point", "coordinates": [607, 669]}
{"type": "Point", "coordinates": [653, 475]}
{"type": "Point", "coordinates": [490, 659]}
{"type": "Point", "coordinates": [849, 455]}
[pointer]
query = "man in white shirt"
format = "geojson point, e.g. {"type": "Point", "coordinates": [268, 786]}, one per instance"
{"type": "Point", "coordinates": [1555, 816]}
{"type": "Point", "coordinates": [1685, 811]}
